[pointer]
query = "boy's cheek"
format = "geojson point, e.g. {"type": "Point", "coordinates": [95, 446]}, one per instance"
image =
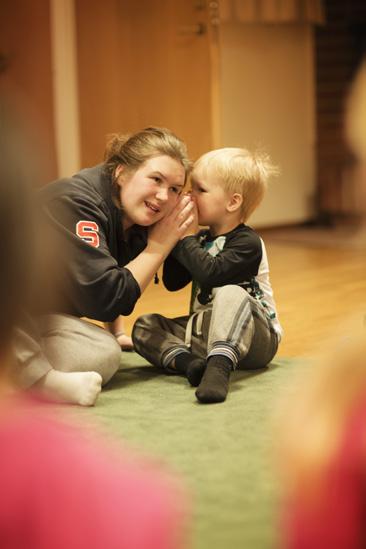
{"type": "Point", "coordinates": [199, 215]}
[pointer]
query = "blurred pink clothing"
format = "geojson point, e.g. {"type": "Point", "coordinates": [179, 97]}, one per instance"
{"type": "Point", "coordinates": [337, 519]}
{"type": "Point", "coordinates": [61, 491]}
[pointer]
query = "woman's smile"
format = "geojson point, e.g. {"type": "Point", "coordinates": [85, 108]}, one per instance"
{"type": "Point", "coordinates": [152, 207]}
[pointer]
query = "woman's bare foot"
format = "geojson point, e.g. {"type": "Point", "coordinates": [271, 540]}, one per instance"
{"type": "Point", "coordinates": [125, 342]}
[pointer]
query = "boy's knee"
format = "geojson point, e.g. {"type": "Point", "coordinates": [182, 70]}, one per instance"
{"type": "Point", "coordinates": [144, 321]}
{"type": "Point", "coordinates": [231, 292]}
{"type": "Point", "coordinates": [142, 324]}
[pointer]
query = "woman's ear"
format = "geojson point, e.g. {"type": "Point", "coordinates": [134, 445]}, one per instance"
{"type": "Point", "coordinates": [117, 172]}
{"type": "Point", "coordinates": [235, 202]}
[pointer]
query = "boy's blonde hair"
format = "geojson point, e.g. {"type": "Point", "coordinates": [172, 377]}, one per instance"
{"type": "Point", "coordinates": [238, 171]}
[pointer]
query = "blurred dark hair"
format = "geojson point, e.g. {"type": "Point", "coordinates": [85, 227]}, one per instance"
{"type": "Point", "coordinates": [16, 226]}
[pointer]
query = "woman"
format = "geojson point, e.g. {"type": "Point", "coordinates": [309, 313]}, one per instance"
{"type": "Point", "coordinates": [99, 218]}
{"type": "Point", "coordinates": [60, 487]}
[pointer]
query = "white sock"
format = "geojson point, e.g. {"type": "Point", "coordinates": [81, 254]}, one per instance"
{"type": "Point", "coordinates": [72, 387]}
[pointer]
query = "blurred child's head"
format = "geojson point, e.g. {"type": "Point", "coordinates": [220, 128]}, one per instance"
{"type": "Point", "coordinates": [322, 400]}
{"type": "Point", "coordinates": [241, 175]}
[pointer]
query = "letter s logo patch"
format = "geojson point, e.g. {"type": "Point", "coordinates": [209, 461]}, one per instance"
{"type": "Point", "coordinates": [88, 231]}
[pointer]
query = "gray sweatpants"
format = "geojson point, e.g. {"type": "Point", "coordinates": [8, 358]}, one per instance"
{"type": "Point", "coordinates": [64, 343]}
{"type": "Point", "coordinates": [234, 324]}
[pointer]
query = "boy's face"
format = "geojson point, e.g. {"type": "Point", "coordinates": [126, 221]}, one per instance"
{"type": "Point", "coordinates": [211, 199]}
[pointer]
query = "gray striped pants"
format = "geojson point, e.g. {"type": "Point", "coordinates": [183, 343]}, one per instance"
{"type": "Point", "coordinates": [234, 324]}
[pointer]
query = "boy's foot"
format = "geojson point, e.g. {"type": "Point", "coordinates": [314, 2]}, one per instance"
{"type": "Point", "coordinates": [192, 366]}
{"type": "Point", "coordinates": [80, 388]}
{"type": "Point", "coordinates": [215, 382]}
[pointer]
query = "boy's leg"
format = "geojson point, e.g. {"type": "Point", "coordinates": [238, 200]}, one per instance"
{"type": "Point", "coordinates": [264, 342]}
{"type": "Point", "coordinates": [240, 330]}
{"type": "Point", "coordinates": [237, 321]}
{"type": "Point", "coordinates": [161, 341]}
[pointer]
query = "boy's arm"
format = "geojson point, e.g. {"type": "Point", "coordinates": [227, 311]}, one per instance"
{"type": "Point", "coordinates": [175, 275]}
{"type": "Point", "coordinates": [238, 261]}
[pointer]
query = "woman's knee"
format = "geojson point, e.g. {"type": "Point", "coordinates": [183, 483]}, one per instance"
{"type": "Point", "coordinates": [73, 345]}
{"type": "Point", "coordinates": [112, 361]}
{"type": "Point", "coordinates": [105, 355]}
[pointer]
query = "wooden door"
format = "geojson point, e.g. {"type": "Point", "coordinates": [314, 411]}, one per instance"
{"type": "Point", "coordinates": [144, 63]}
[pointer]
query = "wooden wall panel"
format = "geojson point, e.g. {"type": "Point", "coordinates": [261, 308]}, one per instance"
{"type": "Point", "coordinates": [26, 74]}
{"type": "Point", "coordinates": [143, 63]}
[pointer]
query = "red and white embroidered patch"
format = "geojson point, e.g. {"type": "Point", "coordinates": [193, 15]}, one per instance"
{"type": "Point", "coordinates": [88, 231]}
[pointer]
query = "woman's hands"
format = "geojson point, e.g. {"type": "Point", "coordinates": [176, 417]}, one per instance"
{"type": "Point", "coordinates": [180, 222]}
{"type": "Point", "coordinates": [162, 238]}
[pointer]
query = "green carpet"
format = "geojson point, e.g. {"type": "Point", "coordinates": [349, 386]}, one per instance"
{"type": "Point", "coordinates": [222, 451]}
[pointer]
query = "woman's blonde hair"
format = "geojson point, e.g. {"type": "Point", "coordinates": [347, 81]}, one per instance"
{"type": "Point", "coordinates": [131, 151]}
{"type": "Point", "coordinates": [239, 171]}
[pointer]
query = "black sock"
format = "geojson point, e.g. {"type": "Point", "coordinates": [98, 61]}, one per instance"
{"type": "Point", "coordinates": [191, 366]}
{"type": "Point", "coordinates": [215, 382]}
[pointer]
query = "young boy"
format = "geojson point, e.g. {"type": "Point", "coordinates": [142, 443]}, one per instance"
{"type": "Point", "coordinates": [233, 321]}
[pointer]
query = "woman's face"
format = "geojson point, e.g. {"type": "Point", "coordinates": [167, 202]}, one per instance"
{"type": "Point", "coordinates": [151, 192]}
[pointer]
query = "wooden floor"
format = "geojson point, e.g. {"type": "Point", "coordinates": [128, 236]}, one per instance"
{"type": "Point", "coordinates": [317, 284]}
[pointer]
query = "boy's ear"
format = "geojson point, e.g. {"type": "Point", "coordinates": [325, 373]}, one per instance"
{"type": "Point", "coordinates": [235, 202]}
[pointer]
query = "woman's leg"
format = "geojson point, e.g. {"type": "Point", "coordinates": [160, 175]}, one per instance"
{"type": "Point", "coordinates": [68, 359]}
{"type": "Point", "coordinates": [75, 345]}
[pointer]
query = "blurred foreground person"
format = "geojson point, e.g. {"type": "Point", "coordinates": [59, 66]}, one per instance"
{"type": "Point", "coordinates": [58, 488]}
{"type": "Point", "coordinates": [323, 453]}
{"type": "Point", "coordinates": [356, 137]}
{"type": "Point", "coordinates": [322, 439]}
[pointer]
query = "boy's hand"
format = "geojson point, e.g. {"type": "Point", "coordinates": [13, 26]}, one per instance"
{"type": "Point", "coordinates": [193, 227]}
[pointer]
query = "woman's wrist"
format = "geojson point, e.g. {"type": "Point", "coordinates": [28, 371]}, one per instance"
{"type": "Point", "coordinates": [159, 249]}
